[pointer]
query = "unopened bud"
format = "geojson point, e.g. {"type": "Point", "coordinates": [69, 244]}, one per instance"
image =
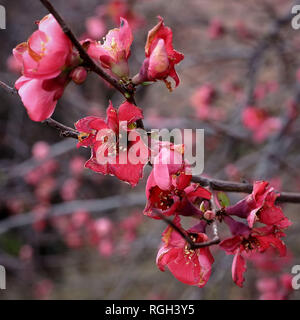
{"type": "Point", "coordinates": [78, 75]}
{"type": "Point", "coordinates": [209, 215]}
{"type": "Point", "coordinates": [159, 61]}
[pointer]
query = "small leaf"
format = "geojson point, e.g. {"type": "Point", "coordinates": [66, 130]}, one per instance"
{"type": "Point", "coordinates": [146, 83]}
{"type": "Point", "coordinates": [202, 206]}
{"type": "Point", "coordinates": [223, 199]}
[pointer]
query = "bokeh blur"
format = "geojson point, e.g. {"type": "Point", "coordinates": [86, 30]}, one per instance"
{"type": "Point", "coordinates": [69, 233]}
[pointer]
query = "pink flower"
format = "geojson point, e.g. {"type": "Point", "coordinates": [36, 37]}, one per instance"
{"type": "Point", "coordinates": [245, 241]}
{"type": "Point", "coordinates": [260, 206]}
{"type": "Point", "coordinates": [168, 162]}
{"type": "Point", "coordinates": [191, 267]}
{"type": "Point", "coordinates": [113, 54]}
{"type": "Point", "coordinates": [45, 53]}
{"type": "Point", "coordinates": [179, 198]}
{"type": "Point", "coordinates": [105, 136]}
{"type": "Point", "coordinates": [161, 58]}
{"type": "Point", "coordinates": [40, 96]}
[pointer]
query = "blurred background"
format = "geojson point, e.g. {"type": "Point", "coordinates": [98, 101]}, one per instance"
{"type": "Point", "coordinates": [69, 233]}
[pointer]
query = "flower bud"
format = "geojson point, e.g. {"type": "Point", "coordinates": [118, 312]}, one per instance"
{"type": "Point", "coordinates": [209, 215]}
{"type": "Point", "coordinates": [79, 75]}
{"type": "Point", "coordinates": [158, 62]}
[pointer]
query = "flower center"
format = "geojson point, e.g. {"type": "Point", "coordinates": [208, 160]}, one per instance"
{"type": "Point", "coordinates": [251, 243]}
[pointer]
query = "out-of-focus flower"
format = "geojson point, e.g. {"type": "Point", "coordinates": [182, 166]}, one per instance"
{"type": "Point", "coordinates": [43, 289]}
{"type": "Point", "coordinates": [95, 27]}
{"type": "Point", "coordinates": [69, 189]}
{"type": "Point", "coordinates": [26, 252]}
{"type": "Point", "coordinates": [40, 150]}
{"type": "Point", "coordinates": [13, 64]}
{"type": "Point", "coordinates": [275, 289]}
{"type": "Point", "coordinates": [103, 226]}
{"type": "Point", "coordinates": [260, 123]}
{"type": "Point", "coordinates": [105, 247]}
{"type": "Point", "coordinates": [116, 9]}
{"type": "Point", "coordinates": [80, 218]}
{"type": "Point", "coordinates": [216, 29]}
{"type": "Point", "coordinates": [202, 100]}
{"type": "Point", "coordinates": [77, 165]}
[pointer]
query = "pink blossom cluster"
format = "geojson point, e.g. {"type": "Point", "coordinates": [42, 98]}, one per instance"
{"type": "Point", "coordinates": [49, 61]}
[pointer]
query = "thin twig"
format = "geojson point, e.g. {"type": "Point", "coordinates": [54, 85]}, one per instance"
{"type": "Point", "coordinates": [192, 245]}
{"type": "Point", "coordinates": [89, 62]}
{"type": "Point", "coordinates": [231, 186]}
{"type": "Point", "coordinates": [7, 88]}
{"type": "Point", "coordinates": [64, 131]}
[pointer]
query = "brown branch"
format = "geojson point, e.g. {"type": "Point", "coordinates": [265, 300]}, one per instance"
{"type": "Point", "coordinates": [222, 185]}
{"type": "Point", "coordinates": [64, 131]}
{"type": "Point", "coordinates": [185, 236]}
{"type": "Point", "coordinates": [89, 62]}
{"type": "Point", "coordinates": [7, 88]}
{"type": "Point", "coordinates": [231, 186]}
{"type": "Point", "coordinates": [228, 186]}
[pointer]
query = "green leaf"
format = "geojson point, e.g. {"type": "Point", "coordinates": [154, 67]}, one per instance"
{"type": "Point", "coordinates": [202, 206]}
{"type": "Point", "coordinates": [223, 199]}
